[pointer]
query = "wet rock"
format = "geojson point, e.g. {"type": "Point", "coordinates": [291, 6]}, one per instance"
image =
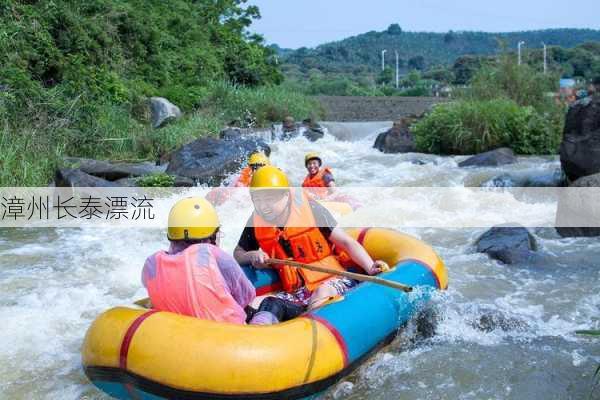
{"type": "Point", "coordinates": [182, 181]}
{"type": "Point", "coordinates": [289, 129]}
{"type": "Point", "coordinates": [398, 139]}
{"type": "Point", "coordinates": [127, 182]}
{"type": "Point", "coordinates": [491, 320]}
{"type": "Point", "coordinates": [427, 322]}
{"type": "Point", "coordinates": [493, 158]}
{"type": "Point", "coordinates": [554, 178]}
{"type": "Point", "coordinates": [210, 161]}
{"type": "Point", "coordinates": [312, 130]}
{"type": "Point", "coordinates": [508, 244]}
{"type": "Point", "coordinates": [578, 211]}
{"type": "Point", "coordinates": [289, 124]}
{"type": "Point", "coordinates": [113, 171]}
{"type": "Point", "coordinates": [67, 177]}
{"type": "Point", "coordinates": [163, 111]}
{"type": "Point", "coordinates": [580, 148]}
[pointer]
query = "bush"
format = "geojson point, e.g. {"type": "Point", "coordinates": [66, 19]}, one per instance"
{"type": "Point", "coordinates": [468, 127]}
{"type": "Point", "coordinates": [156, 180]}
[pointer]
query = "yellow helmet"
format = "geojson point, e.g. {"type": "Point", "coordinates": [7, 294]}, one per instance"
{"type": "Point", "coordinates": [258, 158]}
{"type": "Point", "coordinates": [312, 156]}
{"type": "Point", "coordinates": [193, 218]}
{"type": "Point", "coordinates": [269, 177]}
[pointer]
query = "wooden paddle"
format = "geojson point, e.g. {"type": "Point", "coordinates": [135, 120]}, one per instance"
{"type": "Point", "coordinates": [351, 275]}
{"type": "Point", "coordinates": [145, 303]}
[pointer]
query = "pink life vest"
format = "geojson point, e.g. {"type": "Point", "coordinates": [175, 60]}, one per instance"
{"type": "Point", "coordinates": [190, 283]}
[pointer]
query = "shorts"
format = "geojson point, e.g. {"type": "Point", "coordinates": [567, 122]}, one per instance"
{"type": "Point", "coordinates": [302, 295]}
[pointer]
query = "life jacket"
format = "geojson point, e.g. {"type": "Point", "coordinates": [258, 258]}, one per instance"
{"type": "Point", "coordinates": [245, 177]}
{"type": "Point", "coordinates": [300, 240]}
{"type": "Point", "coordinates": [317, 184]}
{"type": "Point", "coordinates": [190, 283]}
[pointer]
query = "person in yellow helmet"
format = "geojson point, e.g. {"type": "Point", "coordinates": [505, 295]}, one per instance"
{"type": "Point", "coordinates": [220, 195]}
{"type": "Point", "coordinates": [255, 161]}
{"type": "Point", "coordinates": [319, 179]}
{"type": "Point", "coordinates": [195, 277]}
{"type": "Point", "coordinates": [286, 224]}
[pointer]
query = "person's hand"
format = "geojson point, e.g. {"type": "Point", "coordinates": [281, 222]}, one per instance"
{"type": "Point", "coordinates": [378, 267]}
{"type": "Point", "coordinates": [257, 258]}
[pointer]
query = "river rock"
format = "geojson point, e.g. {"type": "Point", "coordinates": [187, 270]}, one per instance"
{"type": "Point", "coordinates": [493, 158]}
{"type": "Point", "coordinates": [508, 244]}
{"type": "Point", "coordinates": [289, 129]}
{"type": "Point", "coordinates": [580, 147]}
{"type": "Point", "coordinates": [578, 211]}
{"type": "Point", "coordinates": [209, 161]}
{"type": "Point", "coordinates": [113, 171]}
{"type": "Point", "coordinates": [312, 130]}
{"type": "Point", "coordinates": [491, 320]}
{"type": "Point", "coordinates": [163, 111]}
{"type": "Point", "coordinates": [551, 178]}
{"type": "Point", "coordinates": [398, 139]}
{"type": "Point", "coordinates": [68, 177]}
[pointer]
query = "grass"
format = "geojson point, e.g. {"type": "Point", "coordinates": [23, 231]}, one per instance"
{"type": "Point", "coordinates": [468, 127]}
{"type": "Point", "coordinates": [32, 148]}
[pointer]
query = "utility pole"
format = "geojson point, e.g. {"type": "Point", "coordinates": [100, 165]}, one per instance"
{"type": "Point", "coordinates": [383, 60]}
{"type": "Point", "coordinates": [521, 43]}
{"type": "Point", "coordinates": [397, 70]}
{"type": "Point", "coordinates": [545, 57]}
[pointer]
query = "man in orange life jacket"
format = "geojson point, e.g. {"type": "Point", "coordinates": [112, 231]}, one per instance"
{"type": "Point", "coordinates": [319, 180]}
{"type": "Point", "coordinates": [286, 224]}
{"type": "Point", "coordinates": [197, 278]}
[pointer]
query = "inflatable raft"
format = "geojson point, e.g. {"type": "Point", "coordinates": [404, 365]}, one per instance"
{"type": "Point", "coordinates": [134, 353]}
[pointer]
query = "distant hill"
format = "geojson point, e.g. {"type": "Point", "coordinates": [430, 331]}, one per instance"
{"type": "Point", "coordinates": [419, 50]}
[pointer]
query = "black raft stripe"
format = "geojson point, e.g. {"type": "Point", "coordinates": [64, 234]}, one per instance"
{"type": "Point", "coordinates": [116, 375]}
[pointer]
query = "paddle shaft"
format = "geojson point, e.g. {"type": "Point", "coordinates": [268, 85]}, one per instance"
{"type": "Point", "coordinates": [351, 275]}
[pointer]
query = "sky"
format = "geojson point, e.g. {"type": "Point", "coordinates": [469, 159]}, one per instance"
{"type": "Point", "coordinates": [298, 23]}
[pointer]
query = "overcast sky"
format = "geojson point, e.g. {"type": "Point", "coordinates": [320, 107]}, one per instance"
{"type": "Point", "coordinates": [297, 23]}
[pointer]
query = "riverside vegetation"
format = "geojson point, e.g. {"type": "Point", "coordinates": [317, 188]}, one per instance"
{"type": "Point", "coordinates": [506, 105]}
{"type": "Point", "coordinates": [75, 78]}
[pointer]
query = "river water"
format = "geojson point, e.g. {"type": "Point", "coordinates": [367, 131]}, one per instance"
{"type": "Point", "coordinates": [502, 332]}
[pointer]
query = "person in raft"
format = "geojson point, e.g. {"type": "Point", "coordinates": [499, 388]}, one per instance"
{"type": "Point", "coordinates": [255, 161]}
{"type": "Point", "coordinates": [196, 278]}
{"type": "Point", "coordinates": [286, 224]}
{"type": "Point", "coordinates": [319, 179]}
{"type": "Point", "coordinates": [220, 195]}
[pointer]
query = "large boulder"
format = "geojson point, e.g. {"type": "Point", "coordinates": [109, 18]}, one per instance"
{"type": "Point", "coordinates": [579, 210]}
{"type": "Point", "coordinates": [508, 244]}
{"type": "Point", "coordinates": [68, 177]}
{"type": "Point", "coordinates": [580, 148]}
{"type": "Point", "coordinates": [398, 139]}
{"type": "Point", "coordinates": [493, 158]}
{"type": "Point", "coordinates": [113, 171]}
{"type": "Point", "coordinates": [163, 111]}
{"type": "Point", "coordinates": [209, 161]}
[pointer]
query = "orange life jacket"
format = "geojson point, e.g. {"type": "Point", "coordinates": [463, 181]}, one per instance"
{"type": "Point", "coordinates": [244, 178]}
{"type": "Point", "coordinates": [317, 184]}
{"type": "Point", "coordinates": [300, 240]}
{"type": "Point", "coordinates": [190, 283]}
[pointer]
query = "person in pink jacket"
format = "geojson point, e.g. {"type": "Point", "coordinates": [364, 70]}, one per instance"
{"type": "Point", "coordinates": [198, 279]}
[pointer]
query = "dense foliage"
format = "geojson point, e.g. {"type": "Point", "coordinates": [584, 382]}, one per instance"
{"type": "Point", "coordinates": [75, 76]}
{"type": "Point", "coordinates": [506, 106]}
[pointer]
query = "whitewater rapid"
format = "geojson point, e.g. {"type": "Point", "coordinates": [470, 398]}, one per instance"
{"type": "Point", "coordinates": [55, 281]}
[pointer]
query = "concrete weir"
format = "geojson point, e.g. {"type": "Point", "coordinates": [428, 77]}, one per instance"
{"type": "Point", "coordinates": [353, 131]}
